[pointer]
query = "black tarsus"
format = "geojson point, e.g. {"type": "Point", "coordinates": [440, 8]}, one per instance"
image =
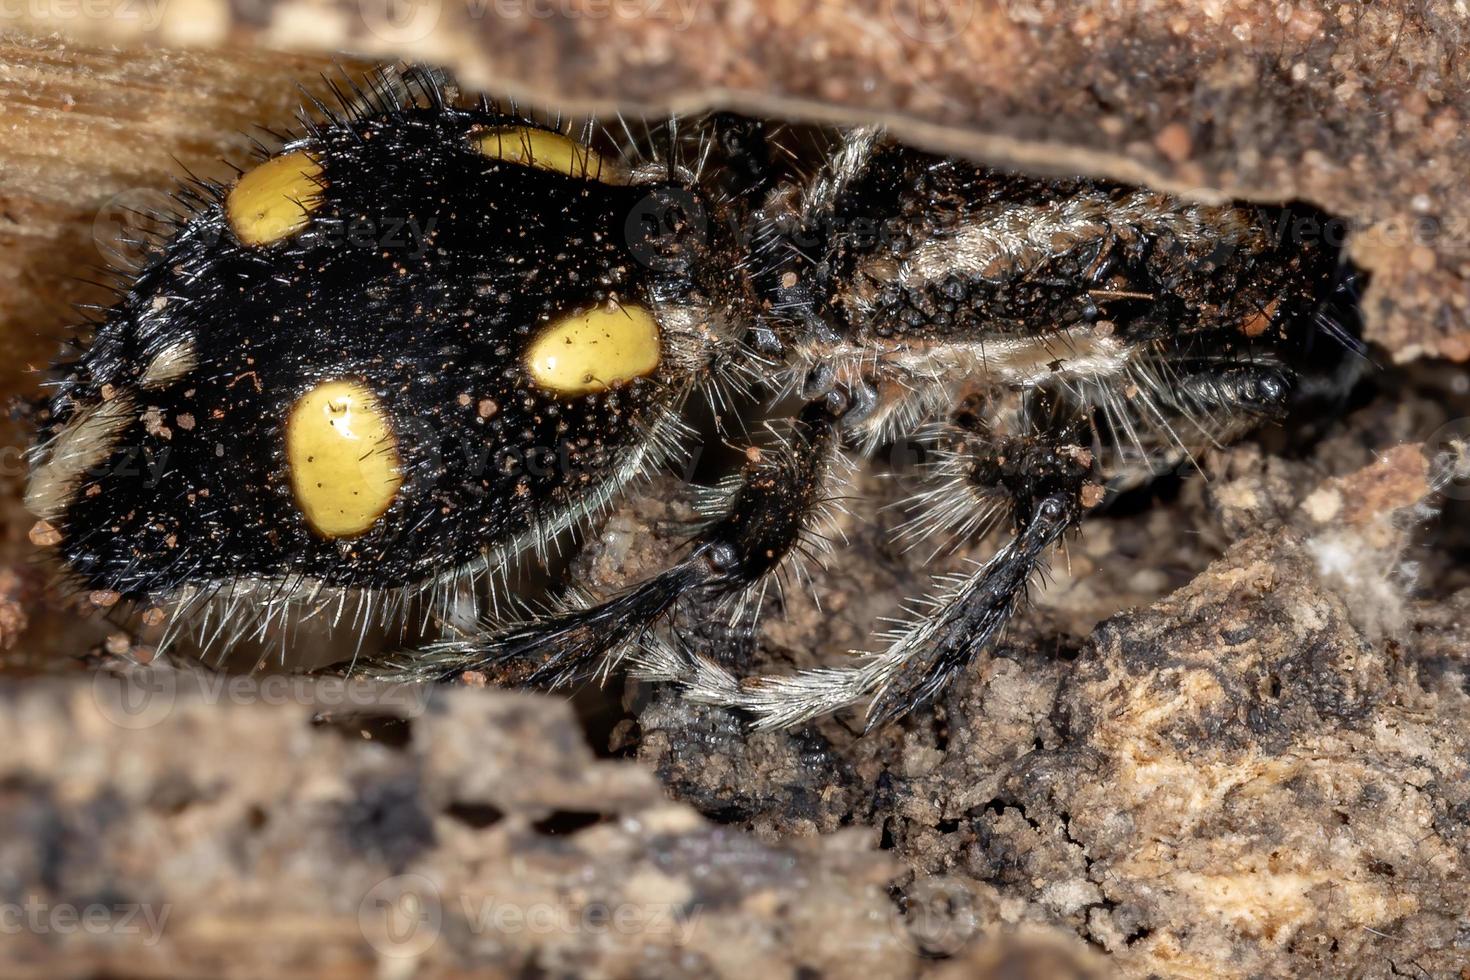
{"type": "Point", "coordinates": [975, 619]}
{"type": "Point", "coordinates": [1259, 390]}
{"type": "Point", "coordinates": [566, 647]}
{"type": "Point", "coordinates": [1044, 478]}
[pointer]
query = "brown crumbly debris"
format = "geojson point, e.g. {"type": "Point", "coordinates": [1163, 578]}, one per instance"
{"type": "Point", "coordinates": [1398, 480]}
{"type": "Point", "coordinates": [485, 811]}
{"type": "Point", "coordinates": [1175, 143]}
{"type": "Point", "coordinates": [13, 618]}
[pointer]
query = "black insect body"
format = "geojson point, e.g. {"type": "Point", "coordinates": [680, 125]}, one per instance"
{"type": "Point", "coordinates": [422, 340]}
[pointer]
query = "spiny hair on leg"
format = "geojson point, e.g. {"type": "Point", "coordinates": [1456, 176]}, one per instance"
{"type": "Point", "coordinates": [949, 508]}
{"type": "Point", "coordinates": [820, 530]}
{"type": "Point", "coordinates": [575, 642]}
{"type": "Point", "coordinates": [943, 635]}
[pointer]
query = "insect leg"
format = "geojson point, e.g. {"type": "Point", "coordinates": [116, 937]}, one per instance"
{"type": "Point", "coordinates": [767, 515]}
{"type": "Point", "coordinates": [969, 618]}
{"type": "Point", "coordinates": [1045, 482]}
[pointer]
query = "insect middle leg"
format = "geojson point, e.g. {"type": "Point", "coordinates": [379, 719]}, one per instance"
{"type": "Point", "coordinates": [766, 519]}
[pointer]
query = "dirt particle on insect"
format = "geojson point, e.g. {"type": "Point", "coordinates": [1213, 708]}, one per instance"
{"type": "Point", "coordinates": [45, 535]}
{"type": "Point", "coordinates": [153, 423]}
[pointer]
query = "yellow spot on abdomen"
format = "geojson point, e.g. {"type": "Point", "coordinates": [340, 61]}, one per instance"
{"type": "Point", "coordinates": [532, 147]}
{"type": "Point", "coordinates": [594, 351]}
{"type": "Point", "coordinates": [345, 468]}
{"type": "Point", "coordinates": [275, 200]}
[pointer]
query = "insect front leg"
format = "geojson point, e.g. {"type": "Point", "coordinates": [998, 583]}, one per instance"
{"type": "Point", "coordinates": [767, 515]}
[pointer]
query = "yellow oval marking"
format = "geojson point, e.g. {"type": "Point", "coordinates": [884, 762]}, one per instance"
{"type": "Point", "coordinates": [275, 200]}
{"type": "Point", "coordinates": [595, 350]}
{"type": "Point", "coordinates": [532, 147]}
{"type": "Point", "coordinates": [345, 468]}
